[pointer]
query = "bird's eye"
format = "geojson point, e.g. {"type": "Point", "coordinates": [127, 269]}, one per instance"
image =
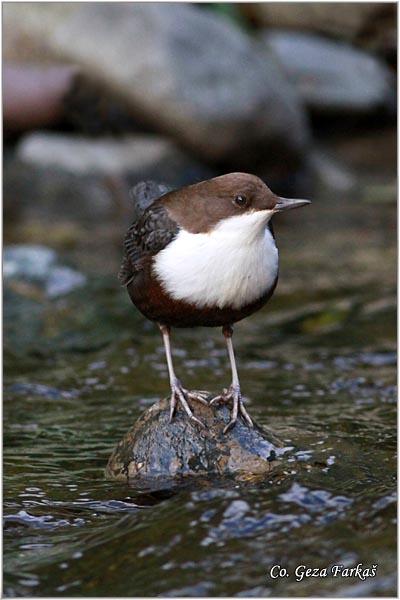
{"type": "Point", "coordinates": [240, 201]}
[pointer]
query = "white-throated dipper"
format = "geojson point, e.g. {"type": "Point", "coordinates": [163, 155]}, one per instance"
{"type": "Point", "coordinates": [205, 255]}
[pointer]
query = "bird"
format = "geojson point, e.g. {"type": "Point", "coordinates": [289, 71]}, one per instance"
{"type": "Point", "coordinates": [205, 255]}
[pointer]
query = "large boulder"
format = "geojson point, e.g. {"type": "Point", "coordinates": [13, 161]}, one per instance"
{"type": "Point", "coordinates": [332, 76]}
{"type": "Point", "coordinates": [156, 448]}
{"type": "Point", "coordinates": [182, 70]}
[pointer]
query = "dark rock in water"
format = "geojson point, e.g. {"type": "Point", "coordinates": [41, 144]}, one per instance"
{"type": "Point", "coordinates": [155, 448]}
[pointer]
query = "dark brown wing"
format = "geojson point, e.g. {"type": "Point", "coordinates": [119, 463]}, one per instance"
{"type": "Point", "coordinates": [145, 237]}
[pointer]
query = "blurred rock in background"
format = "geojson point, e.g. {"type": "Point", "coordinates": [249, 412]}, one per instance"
{"type": "Point", "coordinates": [101, 96]}
{"type": "Point", "coordinates": [331, 76]}
{"type": "Point", "coordinates": [38, 266]}
{"type": "Point", "coordinates": [371, 25]}
{"type": "Point", "coordinates": [202, 81]}
{"type": "Point", "coordinates": [34, 95]}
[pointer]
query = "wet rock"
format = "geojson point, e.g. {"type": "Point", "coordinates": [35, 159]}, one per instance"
{"type": "Point", "coordinates": [155, 448]}
{"type": "Point", "coordinates": [332, 76]}
{"type": "Point", "coordinates": [38, 264]}
{"type": "Point", "coordinates": [172, 78]}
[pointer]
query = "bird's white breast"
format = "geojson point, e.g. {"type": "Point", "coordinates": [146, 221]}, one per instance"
{"type": "Point", "coordinates": [232, 265]}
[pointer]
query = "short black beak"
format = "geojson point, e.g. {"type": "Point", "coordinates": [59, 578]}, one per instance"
{"type": "Point", "coordinates": [287, 203]}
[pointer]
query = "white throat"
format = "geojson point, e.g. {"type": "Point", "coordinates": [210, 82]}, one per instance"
{"type": "Point", "coordinates": [231, 266]}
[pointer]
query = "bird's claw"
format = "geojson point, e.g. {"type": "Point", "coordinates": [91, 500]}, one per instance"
{"type": "Point", "coordinates": [220, 398]}
{"type": "Point", "coordinates": [229, 426]}
{"type": "Point", "coordinates": [233, 394]}
{"type": "Point", "coordinates": [197, 421]}
{"type": "Point", "coordinates": [199, 395]}
{"type": "Point", "coordinates": [181, 395]}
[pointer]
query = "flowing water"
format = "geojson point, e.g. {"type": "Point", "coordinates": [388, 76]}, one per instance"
{"type": "Point", "coordinates": [317, 367]}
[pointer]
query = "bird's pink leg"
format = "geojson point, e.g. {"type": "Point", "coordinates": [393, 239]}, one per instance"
{"type": "Point", "coordinates": [179, 393]}
{"type": "Point", "coordinates": [233, 393]}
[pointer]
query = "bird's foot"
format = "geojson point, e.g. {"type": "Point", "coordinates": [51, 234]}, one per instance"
{"type": "Point", "coordinates": [181, 395]}
{"type": "Point", "coordinates": [199, 395]}
{"type": "Point", "coordinates": [233, 394]}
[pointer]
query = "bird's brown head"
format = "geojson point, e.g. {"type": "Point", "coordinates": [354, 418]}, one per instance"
{"type": "Point", "coordinates": [202, 206]}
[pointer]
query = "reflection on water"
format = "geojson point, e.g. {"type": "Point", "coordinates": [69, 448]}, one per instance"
{"type": "Point", "coordinates": [317, 368]}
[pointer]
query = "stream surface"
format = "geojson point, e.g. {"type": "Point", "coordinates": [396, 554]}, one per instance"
{"type": "Point", "coordinates": [317, 367]}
